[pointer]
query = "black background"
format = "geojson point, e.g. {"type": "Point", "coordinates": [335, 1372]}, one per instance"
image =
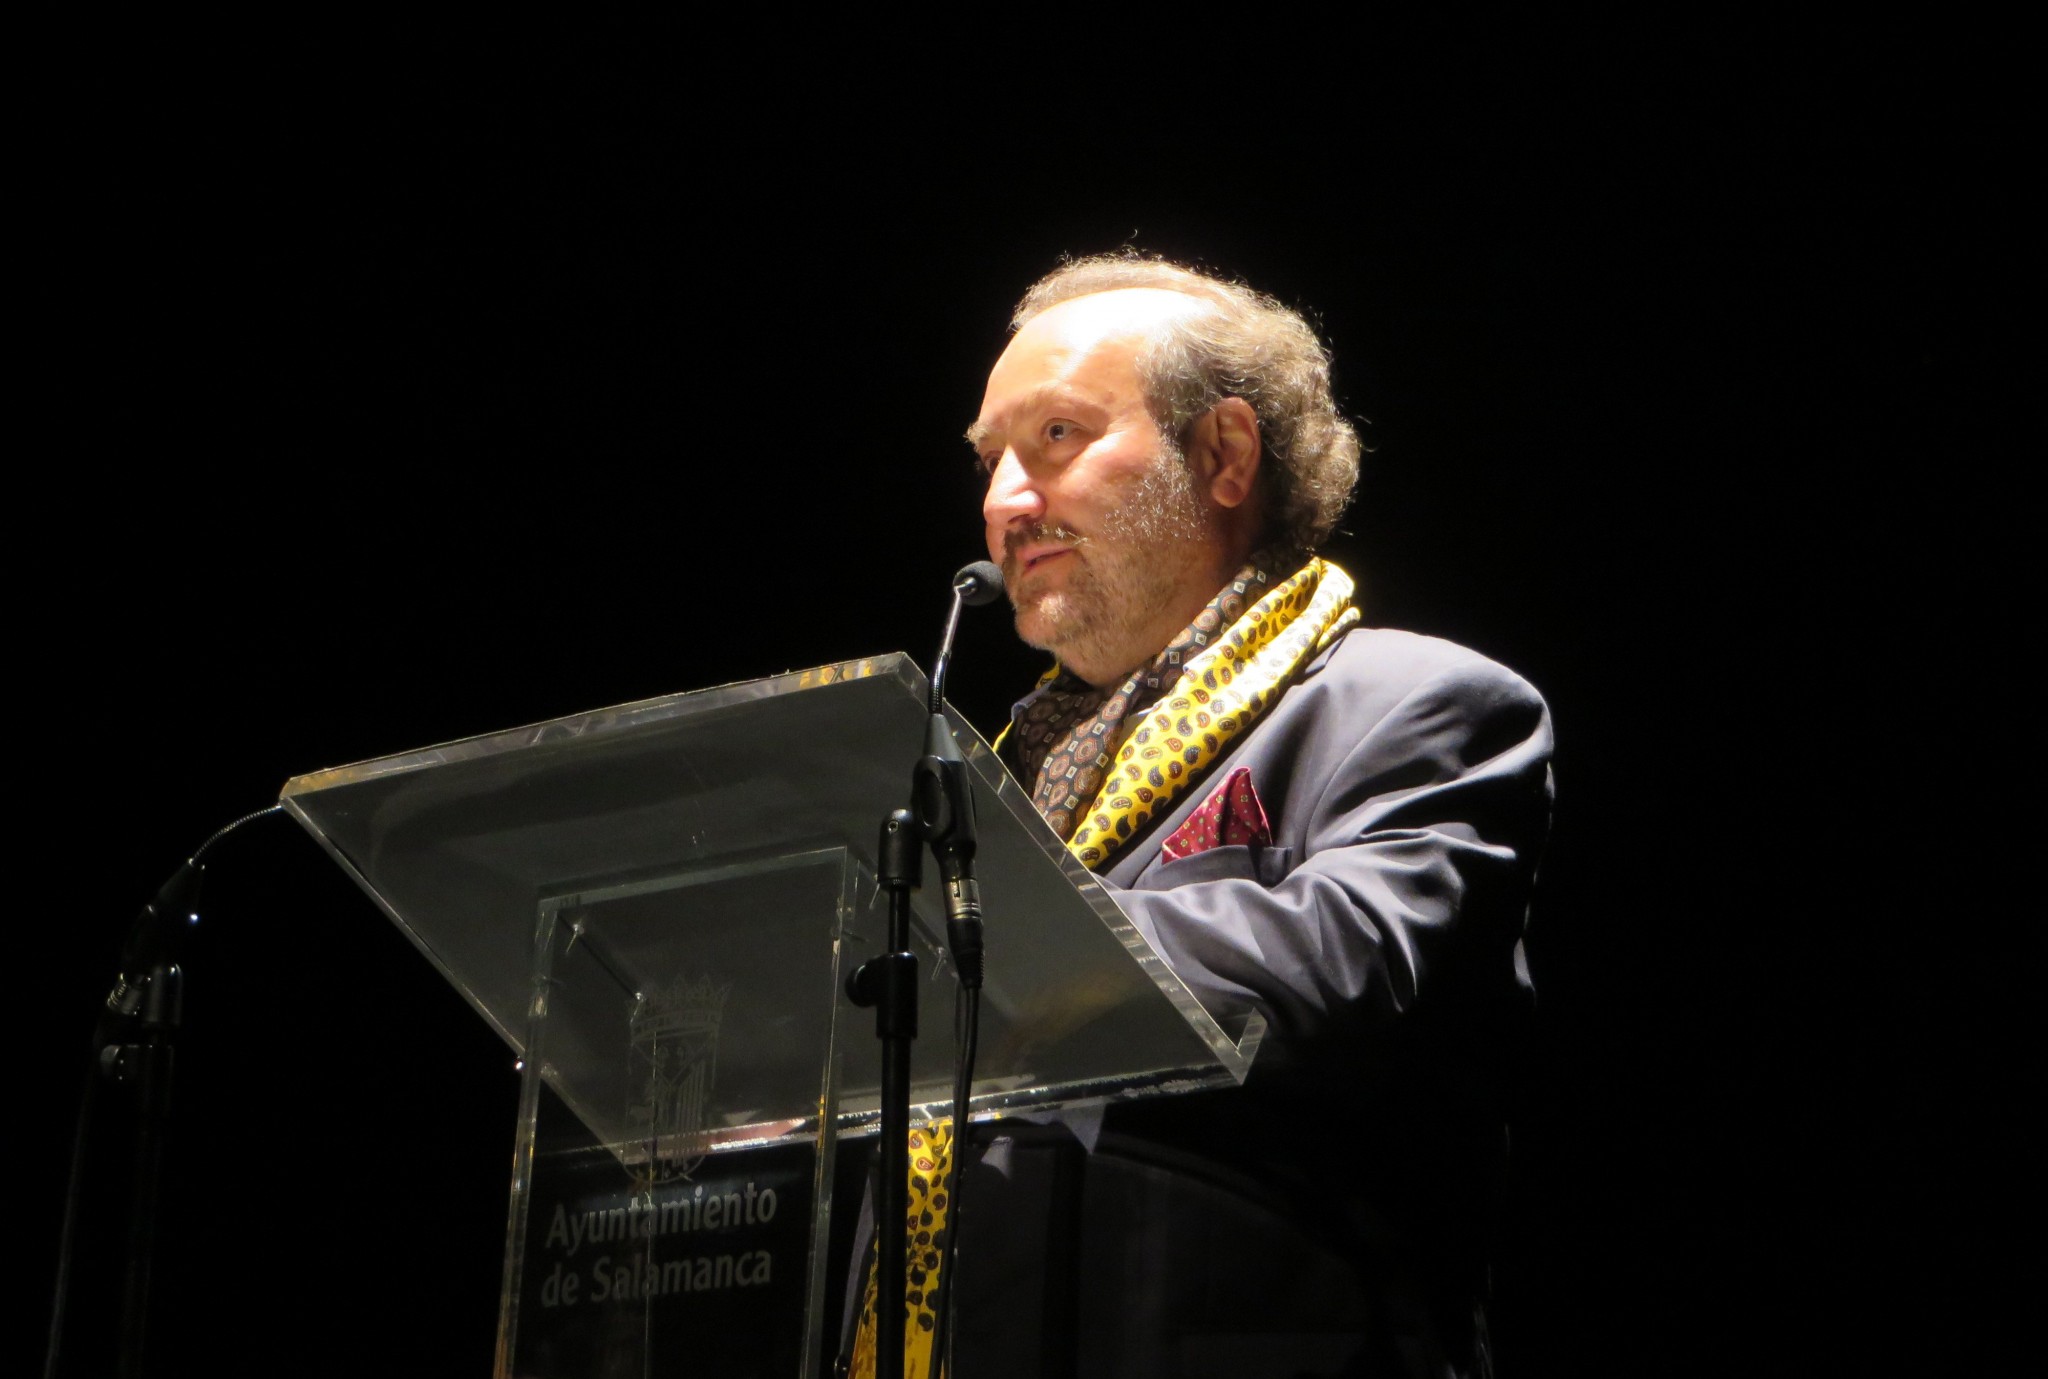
{"type": "Point", "coordinates": [368, 409]}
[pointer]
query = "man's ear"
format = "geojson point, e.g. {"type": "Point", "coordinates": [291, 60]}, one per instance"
{"type": "Point", "coordinates": [1226, 447]}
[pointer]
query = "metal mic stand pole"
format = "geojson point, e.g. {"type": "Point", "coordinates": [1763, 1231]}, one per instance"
{"type": "Point", "coordinates": [888, 982]}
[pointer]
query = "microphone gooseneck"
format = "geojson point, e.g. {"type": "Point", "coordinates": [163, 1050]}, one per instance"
{"type": "Point", "coordinates": [973, 585]}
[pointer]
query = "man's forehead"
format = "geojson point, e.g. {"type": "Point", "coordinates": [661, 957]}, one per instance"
{"type": "Point", "coordinates": [1091, 340]}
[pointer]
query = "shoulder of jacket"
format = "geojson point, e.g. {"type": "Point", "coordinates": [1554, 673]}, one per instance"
{"type": "Point", "coordinates": [1391, 659]}
{"type": "Point", "coordinates": [1389, 650]}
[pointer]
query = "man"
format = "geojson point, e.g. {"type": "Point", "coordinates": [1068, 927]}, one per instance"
{"type": "Point", "coordinates": [1332, 825]}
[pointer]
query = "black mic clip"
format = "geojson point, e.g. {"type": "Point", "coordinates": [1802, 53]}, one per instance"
{"type": "Point", "coordinates": [943, 799]}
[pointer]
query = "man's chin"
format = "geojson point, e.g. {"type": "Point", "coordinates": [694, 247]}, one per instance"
{"type": "Point", "coordinates": [1047, 622]}
{"type": "Point", "coordinates": [1033, 631]}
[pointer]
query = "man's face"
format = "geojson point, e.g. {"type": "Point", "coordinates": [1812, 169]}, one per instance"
{"type": "Point", "coordinates": [1093, 515]}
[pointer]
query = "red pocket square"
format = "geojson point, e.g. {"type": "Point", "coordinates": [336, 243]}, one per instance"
{"type": "Point", "coordinates": [1232, 815]}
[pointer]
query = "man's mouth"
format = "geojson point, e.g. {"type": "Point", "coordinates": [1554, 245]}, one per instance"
{"type": "Point", "coordinates": [1025, 552]}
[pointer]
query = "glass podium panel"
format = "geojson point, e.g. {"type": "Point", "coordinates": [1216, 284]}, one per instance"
{"type": "Point", "coordinates": [655, 905]}
{"type": "Point", "coordinates": [659, 1224]}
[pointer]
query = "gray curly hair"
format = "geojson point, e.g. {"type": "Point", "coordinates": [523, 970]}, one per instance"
{"type": "Point", "coordinates": [1250, 346]}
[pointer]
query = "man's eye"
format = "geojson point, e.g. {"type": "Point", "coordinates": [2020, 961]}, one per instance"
{"type": "Point", "coordinates": [1058, 430]}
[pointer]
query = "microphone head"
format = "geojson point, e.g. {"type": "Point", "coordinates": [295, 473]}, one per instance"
{"type": "Point", "coordinates": [979, 583]}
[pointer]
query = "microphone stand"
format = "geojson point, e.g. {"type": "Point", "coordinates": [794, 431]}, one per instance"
{"type": "Point", "coordinates": [888, 982]}
{"type": "Point", "coordinates": [943, 815]}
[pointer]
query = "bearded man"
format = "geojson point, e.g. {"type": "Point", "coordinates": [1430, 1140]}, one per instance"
{"type": "Point", "coordinates": [1332, 825]}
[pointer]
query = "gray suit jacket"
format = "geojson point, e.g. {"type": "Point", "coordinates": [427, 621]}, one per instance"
{"type": "Point", "coordinates": [1330, 1216]}
{"type": "Point", "coordinates": [1408, 784]}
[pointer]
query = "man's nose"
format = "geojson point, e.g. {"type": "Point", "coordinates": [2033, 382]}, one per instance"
{"type": "Point", "coordinates": [1011, 498]}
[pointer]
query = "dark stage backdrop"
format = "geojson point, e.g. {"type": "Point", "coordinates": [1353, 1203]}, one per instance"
{"type": "Point", "coordinates": [371, 412]}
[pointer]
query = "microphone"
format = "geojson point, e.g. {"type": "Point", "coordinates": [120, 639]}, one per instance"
{"type": "Point", "coordinates": [980, 583]}
{"type": "Point", "coordinates": [941, 794]}
{"type": "Point", "coordinates": [976, 584]}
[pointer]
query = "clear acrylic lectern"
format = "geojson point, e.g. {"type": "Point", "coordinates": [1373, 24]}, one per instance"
{"type": "Point", "coordinates": [655, 905]}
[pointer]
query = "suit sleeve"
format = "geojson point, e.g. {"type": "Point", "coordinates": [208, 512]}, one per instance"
{"type": "Point", "coordinates": [1413, 881]}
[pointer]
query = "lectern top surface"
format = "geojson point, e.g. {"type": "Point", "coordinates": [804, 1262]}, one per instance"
{"type": "Point", "coordinates": [677, 840]}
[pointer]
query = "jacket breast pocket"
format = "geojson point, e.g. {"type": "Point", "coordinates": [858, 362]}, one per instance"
{"type": "Point", "coordinates": [1230, 862]}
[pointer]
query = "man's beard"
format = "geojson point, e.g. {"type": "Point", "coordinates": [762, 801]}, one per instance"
{"type": "Point", "coordinates": [1123, 575]}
